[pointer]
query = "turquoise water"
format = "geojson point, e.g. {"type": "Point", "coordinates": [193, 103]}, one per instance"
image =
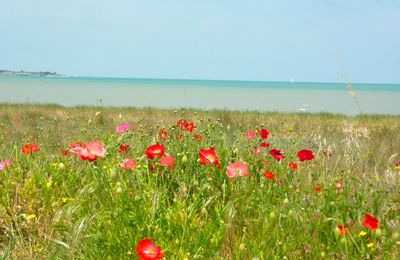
{"type": "Point", "coordinates": [204, 94]}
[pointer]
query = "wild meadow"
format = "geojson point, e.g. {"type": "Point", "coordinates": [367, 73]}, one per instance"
{"type": "Point", "coordinates": [126, 183]}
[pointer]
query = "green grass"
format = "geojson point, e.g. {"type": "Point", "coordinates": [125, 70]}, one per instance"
{"type": "Point", "coordinates": [98, 210]}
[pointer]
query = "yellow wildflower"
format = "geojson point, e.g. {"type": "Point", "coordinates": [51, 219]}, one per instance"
{"type": "Point", "coordinates": [370, 245]}
{"type": "Point", "coordinates": [30, 217]}
{"type": "Point", "coordinates": [362, 233]}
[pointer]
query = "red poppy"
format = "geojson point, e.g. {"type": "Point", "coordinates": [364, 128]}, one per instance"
{"type": "Point", "coordinates": [29, 148]}
{"type": "Point", "coordinates": [154, 150]}
{"type": "Point", "coordinates": [128, 164]}
{"type": "Point", "coordinates": [265, 145]}
{"type": "Point", "coordinates": [250, 134]}
{"type": "Point", "coordinates": [148, 251]}
{"type": "Point", "coordinates": [370, 222]}
{"type": "Point", "coordinates": [305, 155]}
{"type": "Point", "coordinates": [317, 189]}
{"type": "Point", "coordinates": [189, 126]}
{"type": "Point", "coordinates": [237, 169]}
{"type": "Point", "coordinates": [276, 154]}
{"type": "Point", "coordinates": [397, 165]}
{"type": "Point", "coordinates": [123, 148]}
{"type": "Point", "coordinates": [64, 153]}
{"type": "Point", "coordinates": [293, 165]}
{"type": "Point", "coordinates": [167, 161]}
{"type": "Point", "coordinates": [163, 134]}
{"type": "Point", "coordinates": [185, 125]}
{"type": "Point", "coordinates": [342, 230]}
{"type": "Point", "coordinates": [263, 133]}
{"type": "Point", "coordinates": [198, 137]}
{"type": "Point", "coordinates": [208, 156]}
{"type": "Point", "coordinates": [76, 148]}
{"type": "Point", "coordinates": [269, 175]}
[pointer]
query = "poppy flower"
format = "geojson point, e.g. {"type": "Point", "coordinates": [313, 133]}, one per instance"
{"type": "Point", "coordinates": [293, 165]}
{"type": "Point", "coordinates": [167, 161]}
{"type": "Point", "coordinates": [370, 222]}
{"type": "Point", "coordinates": [154, 150]}
{"type": "Point", "coordinates": [265, 163]}
{"type": "Point", "coordinates": [189, 126]}
{"type": "Point", "coordinates": [185, 125]}
{"type": "Point", "coordinates": [4, 163]}
{"type": "Point", "coordinates": [269, 175]}
{"type": "Point", "coordinates": [317, 189]}
{"type": "Point", "coordinates": [76, 148]}
{"type": "Point", "coordinates": [263, 133]}
{"type": "Point", "coordinates": [92, 151]}
{"type": "Point", "coordinates": [276, 154]}
{"type": "Point", "coordinates": [128, 164]}
{"type": "Point", "coordinates": [64, 153]}
{"type": "Point", "coordinates": [339, 185]}
{"type": "Point", "coordinates": [256, 150]}
{"type": "Point", "coordinates": [397, 165]}
{"type": "Point", "coordinates": [305, 155]}
{"type": "Point", "coordinates": [342, 230]}
{"type": "Point", "coordinates": [208, 156]}
{"type": "Point", "coordinates": [123, 148]}
{"type": "Point", "coordinates": [121, 128]}
{"type": "Point", "coordinates": [163, 134]}
{"type": "Point", "coordinates": [29, 148]}
{"type": "Point", "coordinates": [237, 169]}
{"type": "Point", "coordinates": [250, 134]}
{"type": "Point", "coordinates": [265, 145]}
{"type": "Point", "coordinates": [146, 250]}
{"type": "Point", "coordinates": [198, 137]}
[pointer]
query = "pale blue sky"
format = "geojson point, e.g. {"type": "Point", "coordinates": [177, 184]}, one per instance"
{"type": "Point", "coordinates": [204, 39]}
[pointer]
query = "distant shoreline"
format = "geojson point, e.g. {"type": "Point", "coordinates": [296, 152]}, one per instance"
{"type": "Point", "coordinates": [30, 73]}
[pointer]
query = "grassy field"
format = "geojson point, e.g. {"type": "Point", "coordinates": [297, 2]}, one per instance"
{"type": "Point", "coordinates": [55, 205]}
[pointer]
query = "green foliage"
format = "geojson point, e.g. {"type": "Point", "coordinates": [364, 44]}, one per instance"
{"type": "Point", "coordinates": [62, 207]}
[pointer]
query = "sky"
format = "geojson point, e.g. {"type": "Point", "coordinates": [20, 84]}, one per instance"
{"type": "Point", "coordinates": [204, 39]}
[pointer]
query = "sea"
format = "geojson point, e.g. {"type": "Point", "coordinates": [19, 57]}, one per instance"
{"type": "Point", "coordinates": [291, 97]}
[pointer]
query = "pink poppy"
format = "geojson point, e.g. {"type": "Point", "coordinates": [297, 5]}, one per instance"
{"type": "Point", "coordinates": [250, 134]}
{"type": "Point", "coordinates": [76, 148]}
{"type": "Point", "coordinates": [128, 164]}
{"type": "Point", "coordinates": [121, 128]}
{"type": "Point", "coordinates": [92, 151]}
{"type": "Point", "coordinates": [167, 161]}
{"type": "Point", "coordinates": [4, 163]}
{"type": "Point", "coordinates": [339, 185]}
{"type": "Point", "coordinates": [237, 169]}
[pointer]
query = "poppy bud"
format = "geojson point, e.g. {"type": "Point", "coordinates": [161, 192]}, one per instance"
{"type": "Point", "coordinates": [184, 159]}
{"type": "Point", "coordinates": [272, 215]}
{"type": "Point", "coordinates": [61, 166]}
